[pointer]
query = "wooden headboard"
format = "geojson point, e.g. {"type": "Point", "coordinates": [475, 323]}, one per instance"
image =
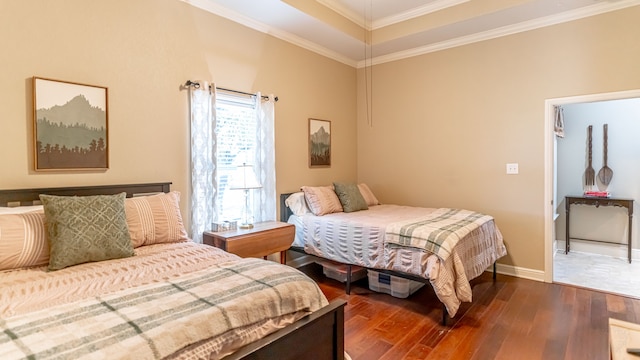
{"type": "Point", "coordinates": [285, 212]}
{"type": "Point", "coordinates": [26, 197]}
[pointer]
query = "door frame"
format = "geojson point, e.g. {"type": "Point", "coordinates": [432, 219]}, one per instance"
{"type": "Point", "coordinates": [550, 159]}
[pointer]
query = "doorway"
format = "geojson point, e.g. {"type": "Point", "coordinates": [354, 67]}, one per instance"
{"type": "Point", "coordinates": [552, 200]}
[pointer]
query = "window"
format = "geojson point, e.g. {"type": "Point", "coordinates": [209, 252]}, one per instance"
{"type": "Point", "coordinates": [236, 133]}
{"type": "Point", "coordinates": [240, 129]}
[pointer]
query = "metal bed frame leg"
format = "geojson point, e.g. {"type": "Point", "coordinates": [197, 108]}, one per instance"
{"type": "Point", "coordinates": [348, 285]}
{"type": "Point", "coordinates": [494, 271]}
{"type": "Point", "coordinates": [444, 315]}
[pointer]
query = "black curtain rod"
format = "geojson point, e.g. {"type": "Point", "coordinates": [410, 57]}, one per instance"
{"type": "Point", "coordinates": [197, 85]}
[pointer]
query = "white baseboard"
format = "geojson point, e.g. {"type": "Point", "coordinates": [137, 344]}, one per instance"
{"type": "Point", "coordinates": [525, 273]}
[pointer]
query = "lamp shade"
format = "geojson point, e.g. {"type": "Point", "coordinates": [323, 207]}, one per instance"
{"type": "Point", "coordinates": [244, 178]}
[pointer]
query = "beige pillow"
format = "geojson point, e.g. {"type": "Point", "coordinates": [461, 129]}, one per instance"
{"type": "Point", "coordinates": [155, 219]}
{"type": "Point", "coordinates": [367, 194]}
{"type": "Point", "coordinates": [322, 200]}
{"type": "Point", "coordinates": [23, 240]}
{"type": "Point", "coordinates": [86, 228]}
{"type": "Point", "coordinates": [20, 209]}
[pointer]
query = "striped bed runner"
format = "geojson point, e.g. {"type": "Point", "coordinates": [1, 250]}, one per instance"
{"type": "Point", "coordinates": [437, 233]}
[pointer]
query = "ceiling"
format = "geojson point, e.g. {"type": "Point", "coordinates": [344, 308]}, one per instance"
{"type": "Point", "coordinates": [365, 32]}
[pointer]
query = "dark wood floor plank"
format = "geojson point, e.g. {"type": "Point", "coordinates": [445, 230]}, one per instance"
{"type": "Point", "coordinates": [369, 348]}
{"type": "Point", "coordinates": [636, 312]}
{"type": "Point", "coordinates": [527, 301]}
{"type": "Point", "coordinates": [472, 330]}
{"type": "Point", "coordinates": [616, 304]}
{"type": "Point", "coordinates": [506, 325]}
{"type": "Point", "coordinates": [581, 321]}
{"type": "Point", "coordinates": [511, 318]}
{"type": "Point", "coordinates": [551, 322]}
{"type": "Point", "coordinates": [409, 345]}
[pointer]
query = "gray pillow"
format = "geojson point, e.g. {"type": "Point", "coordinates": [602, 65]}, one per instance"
{"type": "Point", "coordinates": [350, 197]}
{"type": "Point", "coordinates": [86, 228]}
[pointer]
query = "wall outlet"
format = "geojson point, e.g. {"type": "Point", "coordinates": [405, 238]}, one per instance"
{"type": "Point", "coordinates": [512, 169]}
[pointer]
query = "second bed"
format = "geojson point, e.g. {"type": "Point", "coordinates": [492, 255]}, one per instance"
{"type": "Point", "coordinates": [361, 238]}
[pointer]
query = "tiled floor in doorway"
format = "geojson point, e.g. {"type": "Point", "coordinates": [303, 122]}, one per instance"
{"type": "Point", "coordinates": [606, 273]}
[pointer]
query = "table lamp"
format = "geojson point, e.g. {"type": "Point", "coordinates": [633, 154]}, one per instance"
{"type": "Point", "coordinates": [244, 178]}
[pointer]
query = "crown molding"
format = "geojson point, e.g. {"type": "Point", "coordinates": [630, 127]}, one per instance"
{"type": "Point", "coordinates": [360, 19]}
{"type": "Point", "coordinates": [311, 46]}
{"type": "Point", "coordinates": [224, 12]}
{"type": "Point", "coordinates": [263, 28]}
{"type": "Point", "coordinates": [587, 11]}
{"type": "Point", "coordinates": [584, 12]}
{"type": "Point", "coordinates": [414, 13]}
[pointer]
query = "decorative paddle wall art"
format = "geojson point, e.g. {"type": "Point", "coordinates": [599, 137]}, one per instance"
{"type": "Point", "coordinates": [606, 173]}
{"type": "Point", "coordinates": [589, 173]}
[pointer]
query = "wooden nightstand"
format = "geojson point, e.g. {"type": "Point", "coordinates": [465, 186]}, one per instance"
{"type": "Point", "coordinates": [265, 238]}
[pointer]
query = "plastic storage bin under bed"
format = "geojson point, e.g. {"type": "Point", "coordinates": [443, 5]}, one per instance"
{"type": "Point", "coordinates": [392, 285]}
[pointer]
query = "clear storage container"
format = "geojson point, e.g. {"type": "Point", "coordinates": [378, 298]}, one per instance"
{"type": "Point", "coordinates": [392, 285]}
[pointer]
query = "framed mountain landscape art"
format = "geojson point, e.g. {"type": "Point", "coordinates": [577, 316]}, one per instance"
{"type": "Point", "coordinates": [70, 126]}
{"type": "Point", "coordinates": [319, 143]}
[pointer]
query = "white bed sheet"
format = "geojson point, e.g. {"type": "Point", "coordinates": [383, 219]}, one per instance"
{"type": "Point", "coordinates": [358, 238]}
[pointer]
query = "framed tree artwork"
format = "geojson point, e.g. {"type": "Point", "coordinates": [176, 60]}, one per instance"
{"type": "Point", "coordinates": [70, 126]}
{"type": "Point", "coordinates": [319, 143]}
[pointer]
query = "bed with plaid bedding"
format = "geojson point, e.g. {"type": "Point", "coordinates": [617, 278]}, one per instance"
{"type": "Point", "coordinates": [358, 238]}
{"type": "Point", "coordinates": [157, 320]}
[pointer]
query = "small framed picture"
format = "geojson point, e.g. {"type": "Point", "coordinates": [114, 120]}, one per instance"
{"type": "Point", "coordinates": [70, 126]}
{"type": "Point", "coordinates": [319, 143]}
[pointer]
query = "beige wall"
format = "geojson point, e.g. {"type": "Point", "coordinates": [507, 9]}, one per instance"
{"type": "Point", "coordinates": [143, 51]}
{"type": "Point", "coordinates": [445, 124]}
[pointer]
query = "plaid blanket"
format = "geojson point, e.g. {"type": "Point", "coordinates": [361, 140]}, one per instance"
{"type": "Point", "coordinates": [156, 320]}
{"type": "Point", "coordinates": [437, 233]}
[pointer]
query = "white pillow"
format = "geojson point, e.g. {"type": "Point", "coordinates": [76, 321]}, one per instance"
{"type": "Point", "coordinates": [20, 209]}
{"type": "Point", "coordinates": [297, 203]}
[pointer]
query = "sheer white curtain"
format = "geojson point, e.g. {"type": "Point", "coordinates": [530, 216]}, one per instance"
{"type": "Point", "coordinates": [264, 204]}
{"type": "Point", "coordinates": [203, 158]}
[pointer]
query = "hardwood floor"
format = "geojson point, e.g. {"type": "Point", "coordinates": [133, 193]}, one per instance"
{"type": "Point", "coordinates": [511, 318]}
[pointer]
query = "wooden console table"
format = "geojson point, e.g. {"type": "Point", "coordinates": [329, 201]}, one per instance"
{"type": "Point", "coordinates": [597, 202]}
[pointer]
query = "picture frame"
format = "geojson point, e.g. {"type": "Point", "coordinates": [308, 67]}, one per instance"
{"type": "Point", "coordinates": [319, 143]}
{"type": "Point", "coordinates": [70, 126]}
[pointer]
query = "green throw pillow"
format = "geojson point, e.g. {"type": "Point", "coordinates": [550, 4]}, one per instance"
{"type": "Point", "coordinates": [86, 228]}
{"type": "Point", "coordinates": [350, 197]}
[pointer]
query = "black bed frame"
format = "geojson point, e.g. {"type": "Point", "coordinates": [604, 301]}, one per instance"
{"type": "Point", "coordinates": [285, 213]}
{"type": "Point", "coordinates": [320, 333]}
